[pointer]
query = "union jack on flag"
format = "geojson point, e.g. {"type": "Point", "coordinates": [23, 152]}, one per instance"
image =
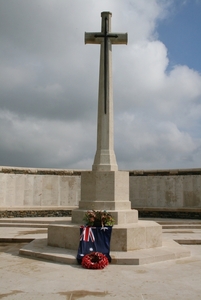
{"type": "Point", "coordinates": [87, 234]}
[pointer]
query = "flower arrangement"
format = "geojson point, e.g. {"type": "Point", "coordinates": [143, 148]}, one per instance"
{"type": "Point", "coordinates": [98, 218]}
{"type": "Point", "coordinates": [94, 260]}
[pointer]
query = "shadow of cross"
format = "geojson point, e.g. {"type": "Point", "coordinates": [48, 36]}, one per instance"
{"type": "Point", "coordinates": [106, 39]}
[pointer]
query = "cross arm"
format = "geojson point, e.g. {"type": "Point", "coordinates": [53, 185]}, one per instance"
{"type": "Point", "coordinates": [90, 38]}
{"type": "Point", "coordinates": [121, 38]}
{"type": "Point", "coordinates": [97, 38]}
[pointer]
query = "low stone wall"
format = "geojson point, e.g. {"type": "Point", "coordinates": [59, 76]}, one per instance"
{"type": "Point", "coordinates": [163, 190]}
{"type": "Point", "coordinates": [36, 189]}
{"type": "Point", "coordinates": [153, 193]}
{"type": "Point", "coordinates": [166, 193]}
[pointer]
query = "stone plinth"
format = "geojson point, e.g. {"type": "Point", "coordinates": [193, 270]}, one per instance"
{"type": "Point", "coordinates": [108, 190]}
{"type": "Point", "coordinates": [142, 235]}
{"type": "Point", "coordinates": [105, 190]}
{"type": "Point", "coordinates": [64, 236]}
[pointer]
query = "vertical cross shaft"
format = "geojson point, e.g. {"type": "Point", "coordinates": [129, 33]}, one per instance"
{"type": "Point", "coordinates": [106, 35]}
{"type": "Point", "coordinates": [105, 159]}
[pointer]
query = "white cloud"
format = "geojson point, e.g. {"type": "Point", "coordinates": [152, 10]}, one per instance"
{"type": "Point", "coordinates": [49, 87]}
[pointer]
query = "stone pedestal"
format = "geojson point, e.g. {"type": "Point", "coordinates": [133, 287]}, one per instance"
{"type": "Point", "coordinates": [141, 235]}
{"type": "Point", "coordinates": [106, 190]}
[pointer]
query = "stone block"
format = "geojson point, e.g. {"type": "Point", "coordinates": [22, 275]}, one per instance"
{"type": "Point", "coordinates": [10, 190]}
{"type": "Point", "coordinates": [105, 190]}
{"type": "Point", "coordinates": [128, 237]}
{"type": "Point", "coordinates": [107, 186]}
{"type": "Point", "coordinates": [28, 193]}
{"type": "Point", "coordinates": [153, 235]}
{"type": "Point", "coordinates": [3, 190]}
{"type": "Point", "coordinates": [37, 190]}
{"type": "Point", "coordinates": [105, 205]}
{"type": "Point", "coordinates": [64, 236]}
{"type": "Point", "coordinates": [19, 190]}
{"type": "Point", "coordinates": [49, 191]}
{"type": "Point", "coordinates": [142, 235]}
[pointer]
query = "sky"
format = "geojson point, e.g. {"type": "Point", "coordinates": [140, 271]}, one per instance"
{"type": "Point", "coordinates": [49, 83]}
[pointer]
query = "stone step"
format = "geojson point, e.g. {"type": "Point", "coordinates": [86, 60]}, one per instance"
{"type": "Point", "coordinates": [181, 226]}
{"type": "Point", "coordinates": [27, 225]}
{"type": "Point", "coordinates": [173, 220]}
{"type": "Point", "coordinates": [46, 220]}
{"type": "Point", "coordinates": [170, 250]}
{"type": "Point", "coordinates": [32, 222]}
{"type": "Point", "coordinates": [16, 240]}
{"type": "Point", "coordinates": [24, 239]}
{"type": "Point", "coordinates": [188, 241]}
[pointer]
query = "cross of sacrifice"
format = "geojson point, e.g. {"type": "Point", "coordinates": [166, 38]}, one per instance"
{"type": "Point", "coordinates": [105, 38]}
{"type": "Point", "coordinates": [105, 159]}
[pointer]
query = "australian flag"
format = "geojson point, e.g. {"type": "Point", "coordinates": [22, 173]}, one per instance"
{"type": "Point", "coordinates": [94, 239]}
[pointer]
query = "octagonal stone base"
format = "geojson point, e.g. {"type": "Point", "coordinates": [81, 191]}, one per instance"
{"type": "Point", "coordinates": [141, 235]}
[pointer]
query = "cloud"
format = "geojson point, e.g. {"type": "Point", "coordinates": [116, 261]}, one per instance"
{"type": "Point", "coordinates": [49, 87]}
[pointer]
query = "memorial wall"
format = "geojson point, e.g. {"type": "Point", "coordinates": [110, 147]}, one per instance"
{"type": "Point", "coordinates": [46, 189]}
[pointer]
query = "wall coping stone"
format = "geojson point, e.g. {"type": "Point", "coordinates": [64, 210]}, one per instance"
{"type": "Point", "coordinates": [70, 172]}
{"type": "Point", "coordinates": [36, 208]}
{"type": "Point", "coordinates": [38, 171]}
{"type": "Point", "coordinates": [171, 172]}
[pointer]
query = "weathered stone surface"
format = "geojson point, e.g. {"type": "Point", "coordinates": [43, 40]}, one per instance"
{"type": "Point", "coordinates": [106, 186]}
{"type": "Point", "coordinates": [29, 191]}
{"type": "Point", "coordinates": [105, 190]}
{"type": "Point", "coordinates": [173, 191]}
{"type": "Point", "coordinates": [142, 235]}
{"type": "Point", "coordinates": [148, 191]}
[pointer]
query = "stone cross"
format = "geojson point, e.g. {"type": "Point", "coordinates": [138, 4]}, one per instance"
{"type": "Point", "coordinates": [105, 159]}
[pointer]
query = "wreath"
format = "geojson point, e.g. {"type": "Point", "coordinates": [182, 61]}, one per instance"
{"type": "Point", "coordinates": [95, 260]}
{"type": "Point", "coordinates": [98, 218]}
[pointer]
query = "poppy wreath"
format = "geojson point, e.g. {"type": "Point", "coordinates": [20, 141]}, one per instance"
{"type": "Point", "coordinates": [94, 260]}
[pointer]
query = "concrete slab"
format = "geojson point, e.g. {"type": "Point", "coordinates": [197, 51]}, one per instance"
{"type": "Point", "coordinates": [29, 278]}
{"type": "Point", "coordinates": [23, 277]}
{"type": "Point", "coordinates": [184, 236]}
{"type": "Point", "coordinates": [19, 234]}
